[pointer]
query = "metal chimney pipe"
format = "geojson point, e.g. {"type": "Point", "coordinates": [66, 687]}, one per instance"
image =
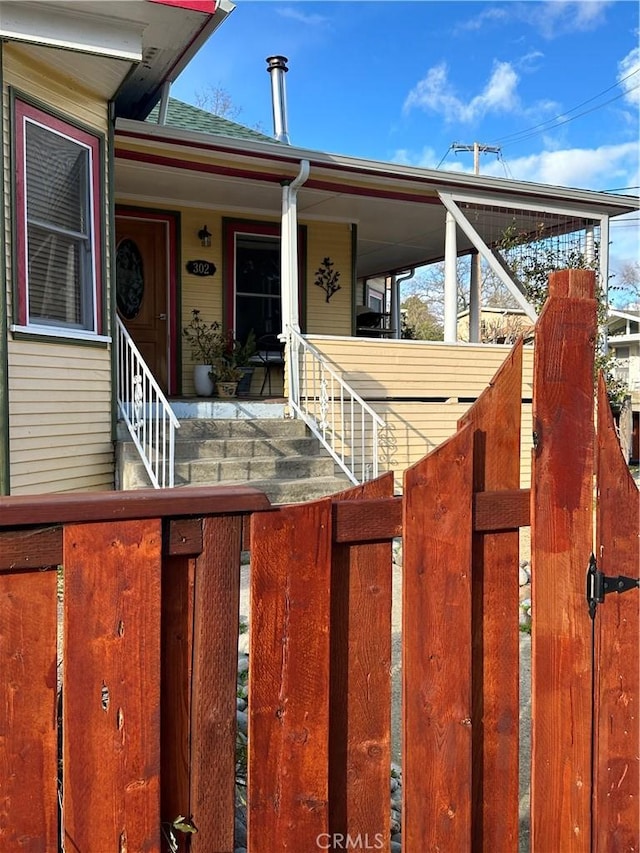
{"type": "Point", "coordinates": [277, 68]}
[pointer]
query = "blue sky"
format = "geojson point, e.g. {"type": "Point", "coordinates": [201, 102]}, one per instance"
{"type": "Point", "coordinates": [555, 84]}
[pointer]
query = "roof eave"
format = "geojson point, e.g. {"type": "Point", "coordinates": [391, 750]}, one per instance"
{"type": "Point", "coordinates": [141, 90]}
{"type": "Point", "coordinates": [603, 203]}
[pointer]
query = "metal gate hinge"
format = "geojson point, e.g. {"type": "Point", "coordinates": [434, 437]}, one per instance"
{"type": "Point", "coordinates": [599, 585]}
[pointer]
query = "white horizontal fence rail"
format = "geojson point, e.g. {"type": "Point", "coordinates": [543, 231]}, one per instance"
{"type": "Point", "coordinates": [344, 423]}
{"type": "Point", "coordinates": [146, 411]}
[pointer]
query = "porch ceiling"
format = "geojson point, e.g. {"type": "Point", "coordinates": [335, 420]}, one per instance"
{"type": "Point", "coordinates": [391, 234]}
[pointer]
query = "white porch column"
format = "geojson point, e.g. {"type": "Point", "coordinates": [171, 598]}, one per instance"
{"type": "Point", "coordinates": [285, 254]}
{"type": "Point", "coordinates": [395, 307]}
{"type": "Point", "coordinates": [589, 245]}
{"type": "Point", "coordinates": [474, 298]}
{"type": "Point", "coordinates": [450, 282]}
{"type": "Point", "coordinates": [289, 251]}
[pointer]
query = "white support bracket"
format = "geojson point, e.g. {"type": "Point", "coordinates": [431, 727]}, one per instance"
{"type": "Point", "coordinates": [467, 228]}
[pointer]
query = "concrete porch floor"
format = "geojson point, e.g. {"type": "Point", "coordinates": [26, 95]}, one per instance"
{"type": "Point", "coordinates": [249, 407]}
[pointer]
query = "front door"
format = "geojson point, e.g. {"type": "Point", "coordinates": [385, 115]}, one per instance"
{"type": "Point", "coordinates": [142, 289]}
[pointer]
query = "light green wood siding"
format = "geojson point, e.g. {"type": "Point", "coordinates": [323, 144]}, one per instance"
{"type": "Point", "coordinates": [60, 424]}
{"type": "Point", "coordinates": [59, 393]}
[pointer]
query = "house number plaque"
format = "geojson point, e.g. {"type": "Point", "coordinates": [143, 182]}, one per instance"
{"type": "Point", "coordinates": [201, 267]}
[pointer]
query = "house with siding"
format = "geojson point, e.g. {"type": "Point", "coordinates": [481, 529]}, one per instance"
{"type": "Point", "coordinates": [623, 327]}
{"type": "Point", "coordinates": [125, 211]}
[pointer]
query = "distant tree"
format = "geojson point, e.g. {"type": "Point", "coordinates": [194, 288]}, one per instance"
{"type": "Point", "coordinates": [628, 284]}
{"type": "Point", "coordinates": [420, 323]}
{"type": "Point", "coordinates": [217, 100]}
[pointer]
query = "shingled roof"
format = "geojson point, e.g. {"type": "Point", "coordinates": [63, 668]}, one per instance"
{"type": "Point", "coordinates": [188, 117]}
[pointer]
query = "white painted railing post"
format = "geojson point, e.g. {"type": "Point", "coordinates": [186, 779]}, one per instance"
{"type": "Point", "coordinates": [146, 411]}
{"type": "Point", "coordinates": [342, 421]}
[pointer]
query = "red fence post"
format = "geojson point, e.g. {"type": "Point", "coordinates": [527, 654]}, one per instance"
{"type": "Point", "coordinates": [289, 678]}
{"type": "Point", "coordinates": [436, 646]}
{"type": "Point", "coordinates": [561, 541]}
{"type": "Point", "coordinates": [28, 709]}
{"type": "Point", "coordinates": [617, 632]}
{"type": "Point", "coordinates": [360, 682]}
{"type": "Point", "coordinates": [111, 686]}
{"type": "Point", "coordinates": [495, 419]}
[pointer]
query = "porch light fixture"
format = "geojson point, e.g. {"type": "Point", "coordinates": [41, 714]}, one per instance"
{"type": "Point", "coordinates": [204, 235]}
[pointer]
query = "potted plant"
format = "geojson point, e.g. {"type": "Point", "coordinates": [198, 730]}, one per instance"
{"type": "Point", "coordinates": [226, 377]}
{"type": "Point", "coordinates": [207, 345]}
{"type": "Point", "coordinates": [242, 356]}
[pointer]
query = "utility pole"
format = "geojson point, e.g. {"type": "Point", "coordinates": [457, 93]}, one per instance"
{"type": "Point", "coordinates": [476, 263]}
{"type": "Point", "coordinates": [477, 148]}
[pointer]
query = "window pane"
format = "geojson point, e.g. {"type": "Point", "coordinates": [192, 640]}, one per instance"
{"type": "Point", "coordinates": [57, 172]}
{"type": "Point", "coordinates": [258, 265]}
{"type": "Point", "coordinates": [55, 275]}
{"type": "Point", "coordinates": [260, 313]}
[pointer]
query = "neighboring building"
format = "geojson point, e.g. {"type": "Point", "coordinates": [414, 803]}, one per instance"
{"type": "Point", "coordinates": [497, 325]}
{"type": "Point", "coordinates": [117, 227]}
{"type": "Point", "coordinates": [624, 342]}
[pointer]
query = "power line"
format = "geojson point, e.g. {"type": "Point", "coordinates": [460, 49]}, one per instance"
{"type": "Point", "coordinates": [444, 157]}
{"type": "Point", "coordinates": [538, 128]}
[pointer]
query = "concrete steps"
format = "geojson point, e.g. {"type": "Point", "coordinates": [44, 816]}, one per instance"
{"type": "Point", "coordinates": [276, 455]}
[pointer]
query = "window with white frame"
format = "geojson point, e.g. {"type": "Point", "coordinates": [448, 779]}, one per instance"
{"type": "Point", "coordinates": [57, 224]}
{"type": "Point", "coordinates": [375, 300]}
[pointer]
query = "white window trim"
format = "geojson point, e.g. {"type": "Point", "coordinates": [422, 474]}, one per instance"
{"type": "Point", "coordinates": [30, 114]}
{"type": "Point", "coordinates": [57, 332]}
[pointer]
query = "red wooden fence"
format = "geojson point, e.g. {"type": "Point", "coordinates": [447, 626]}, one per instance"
{"type": "Point", "coordinates": [147, 640]}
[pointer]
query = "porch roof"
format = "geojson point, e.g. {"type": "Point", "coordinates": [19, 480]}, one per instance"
{"type": "Point", "coordinates": [397, 210]}
{"type": "Point", "coordinates": [188, 117]}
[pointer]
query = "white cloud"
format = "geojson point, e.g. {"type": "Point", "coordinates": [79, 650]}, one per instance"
{"type": "Point", "coordinates": [312, 20]}
{"type": "Point", "coordinates": [629, 76]}
{"type": "Point", "coordinates": [528, 61]}
{"type": "Point", "coordinates": [491, 15]}
{"type": "Point", "coordinates": [559, 17]}
{"type": "Point", "coordinates": [587, 168]}
{"type": "Point", "coordinates": [435, 92]}
{"type": "Point", "coordinates": [604, 168]}
{"type": "Point", "coordinates": [426, 159]}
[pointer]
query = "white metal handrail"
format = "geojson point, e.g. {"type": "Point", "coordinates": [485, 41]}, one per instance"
{"type": "Point", "coordinates": [146, 411]}
{"type": "Point", "coordinates": [344, 423]}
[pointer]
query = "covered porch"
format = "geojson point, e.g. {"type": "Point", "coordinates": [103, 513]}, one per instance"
{"type": "Point", "coordinates": [304, 244]}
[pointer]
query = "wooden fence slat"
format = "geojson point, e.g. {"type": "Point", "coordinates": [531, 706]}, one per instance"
{"type": "Point", "coordinates": [73, 507]}
{"type": "Point", "coordinates": [111, 686]}
{"type": "Point", "coordinates": [177, 658]}
{"type": "Point", "coordinates": [617, 633]}
{"type": "Point", "coordinates": [28, 712]}
{"type": "Point", "coordinates": [360, 683]}
{"type": "Point", "coordinates": [215, 669]}
{"type": "Point", "coordinates": [31, 548]}
{"type": "Point", "coordinates": [289, 678]}
{"type": "Point", "coordinates": [495, 420]}
{"type": "Point", "coordinates": [561, 541]}
{"type": "Point", "coordinates": [436, 641]}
